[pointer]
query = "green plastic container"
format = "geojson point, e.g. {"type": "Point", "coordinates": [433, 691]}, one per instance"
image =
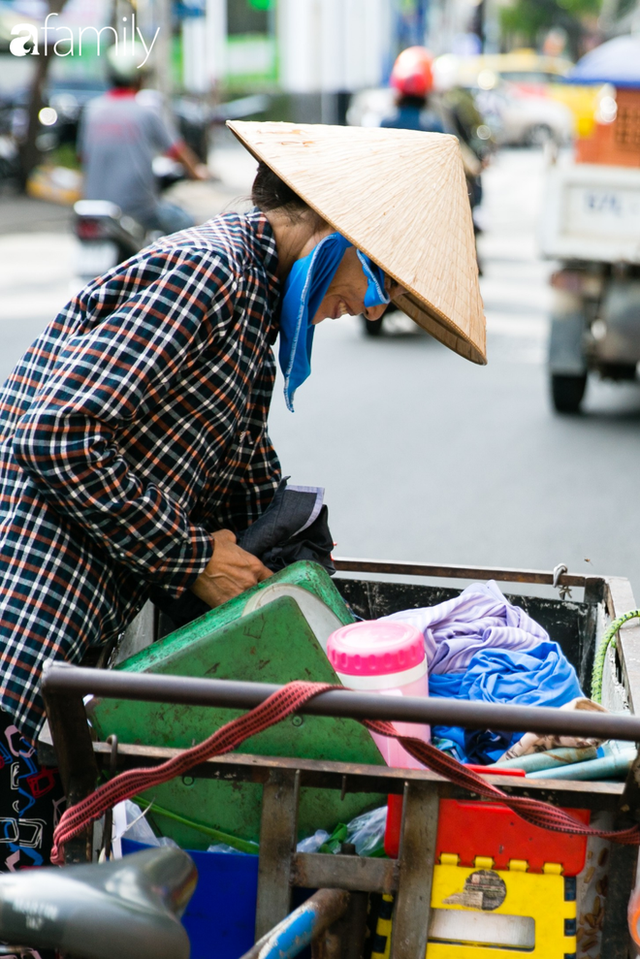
{"type": "Point", "coordinates": [273, 643]}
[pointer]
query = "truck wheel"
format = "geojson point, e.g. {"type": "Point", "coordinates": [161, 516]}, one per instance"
{"type": "Point", "coordinates": [372, 327]}
{"type": "Point", "coordinates": [567, 392]}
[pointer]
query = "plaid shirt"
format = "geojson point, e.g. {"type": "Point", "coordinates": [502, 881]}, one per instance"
{"type": "Point", "coordinates": [135, 425]}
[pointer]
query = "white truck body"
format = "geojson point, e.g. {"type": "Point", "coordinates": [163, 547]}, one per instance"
{"type": "Point", "coordinates": [591, 213]}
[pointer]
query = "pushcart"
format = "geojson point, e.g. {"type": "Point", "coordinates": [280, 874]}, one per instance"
{"type": "Point", "coordinates": [375, 588]}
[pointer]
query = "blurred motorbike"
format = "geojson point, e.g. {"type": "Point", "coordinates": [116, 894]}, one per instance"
{"type": "Point", "coordinates": [106, 236]}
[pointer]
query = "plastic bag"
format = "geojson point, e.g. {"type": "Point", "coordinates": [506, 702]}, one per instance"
{"type": "Point", "coordinates": [139, 829]}
{"type": "Point", "coordinates": [313, 843]}
{"type": "Point", "coordinates": [137, 826]}
{"type": "Point", "coordinates": [366, 832]}
{"type": "Point", "coordinates": [225, 848]}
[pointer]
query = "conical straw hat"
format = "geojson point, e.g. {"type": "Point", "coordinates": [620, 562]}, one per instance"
{"type": "Point", "coordinates": [401, 197]}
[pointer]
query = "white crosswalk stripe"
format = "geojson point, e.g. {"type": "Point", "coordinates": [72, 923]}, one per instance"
{"type": "Point", "coordinates": [515, 281]}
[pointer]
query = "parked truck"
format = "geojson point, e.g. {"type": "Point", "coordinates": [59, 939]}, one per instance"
{"type": "Point", "coordinates": [591, 223]}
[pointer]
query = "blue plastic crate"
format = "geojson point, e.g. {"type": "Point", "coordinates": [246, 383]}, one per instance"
{"type": "Point", "coordinates": [220, 918]}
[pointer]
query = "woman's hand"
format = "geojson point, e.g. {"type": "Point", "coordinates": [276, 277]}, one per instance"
{"type": "Point", "coordinates": [229, 572]}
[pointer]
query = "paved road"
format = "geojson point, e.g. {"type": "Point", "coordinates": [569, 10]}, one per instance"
{"type": "Point", "coordinates": [423, 455]}
{"type": "Point", "coordinates": [427, 457]}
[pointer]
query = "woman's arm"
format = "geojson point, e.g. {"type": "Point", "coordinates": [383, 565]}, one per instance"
{"type": "Point", "coordinates": [68, 441]}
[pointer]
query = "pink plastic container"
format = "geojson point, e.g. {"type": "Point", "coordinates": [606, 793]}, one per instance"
{"type": "Point", "coordinates": [385, 657]}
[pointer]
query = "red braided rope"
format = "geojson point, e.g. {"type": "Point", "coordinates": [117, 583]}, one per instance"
{"type": "Point", "coordinates": [276, 708]}
{"type": "Point", "coordinates": [533, 810]}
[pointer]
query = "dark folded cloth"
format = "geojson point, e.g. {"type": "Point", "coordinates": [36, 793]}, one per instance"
{"type": "Point", "coordinates": [294, 527]}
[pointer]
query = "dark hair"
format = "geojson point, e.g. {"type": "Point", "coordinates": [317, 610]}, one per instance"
{"type": "Point", "coordinates": [269, 192]}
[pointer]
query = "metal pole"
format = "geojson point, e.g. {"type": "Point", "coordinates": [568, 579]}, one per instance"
{"type": "Point", "coordinates": [60, 678]}
{"type": "Point", "coordinates": [290, 936]}
{"type": "Point", "coordinates": [540, 577]}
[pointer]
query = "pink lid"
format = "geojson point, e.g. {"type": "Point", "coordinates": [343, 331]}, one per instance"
{"type": "Point", "coordinates": [375, 648]}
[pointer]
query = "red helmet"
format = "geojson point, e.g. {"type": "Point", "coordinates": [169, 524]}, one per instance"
{"type": "Point", "coordinates": [412, 74]}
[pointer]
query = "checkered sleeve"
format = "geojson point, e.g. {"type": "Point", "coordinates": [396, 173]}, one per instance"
{"type": "Point", "coordinates": [248, 498]}
{"type": "Point", "coordinates": [258, 472]}
{"type": "Point", "coordinates": [68, 440]}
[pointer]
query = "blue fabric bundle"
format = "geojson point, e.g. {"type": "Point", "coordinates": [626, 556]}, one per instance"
{"type": "Point", "coordinates": [305, 288]}
{"type": "Point", "coordinates": [538, 676]}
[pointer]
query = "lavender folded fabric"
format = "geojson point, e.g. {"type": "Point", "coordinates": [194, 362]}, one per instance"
{"type": "Point", "coordinates": [479, 618]}
{"type": "Point", "coordinates": [480, 647]}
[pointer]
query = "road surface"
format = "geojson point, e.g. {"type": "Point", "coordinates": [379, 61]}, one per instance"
{"type": "Point", "coordinates": [423, 455]}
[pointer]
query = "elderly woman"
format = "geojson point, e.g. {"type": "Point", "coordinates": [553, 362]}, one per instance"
{"type": "Point", "coordinates": [134, 438]}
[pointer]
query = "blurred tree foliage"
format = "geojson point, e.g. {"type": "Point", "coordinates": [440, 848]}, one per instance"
{"type": "Point", "coordinates": [527, 21]}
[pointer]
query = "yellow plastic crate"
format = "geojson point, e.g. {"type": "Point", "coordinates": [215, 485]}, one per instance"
{"type": "Point", "coordinates": [482, 913]}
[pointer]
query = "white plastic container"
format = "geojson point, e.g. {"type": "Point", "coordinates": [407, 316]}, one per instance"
{"type": "Point", "coordinates": [385, 657]}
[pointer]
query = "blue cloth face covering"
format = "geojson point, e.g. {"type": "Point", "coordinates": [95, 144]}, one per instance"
{"type": "Point", "coordinates": [304, 291]}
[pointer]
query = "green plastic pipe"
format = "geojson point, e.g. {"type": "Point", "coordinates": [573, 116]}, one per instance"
{"type": "Point", "coordinates": [608, 639]}
{"type": "Point", "coordinates": [616, 762]}
{"type": "Point", "coordinates": [561, 756]}
{"type": "Point", "coordinates": [242, 845]}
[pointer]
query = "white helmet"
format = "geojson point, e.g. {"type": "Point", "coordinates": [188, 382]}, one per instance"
{"type": "Point", "coordinates": [125, 61]}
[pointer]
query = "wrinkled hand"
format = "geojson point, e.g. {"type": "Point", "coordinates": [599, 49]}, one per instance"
{"type": "Point", "coordinates": [229, 572]}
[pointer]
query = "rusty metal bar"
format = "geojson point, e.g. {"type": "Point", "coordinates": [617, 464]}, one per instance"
{"type": "Point", "coordinates": [623, 861]}
{"type": "Point", "coordinates": [278, 835]}
{"type": "Point", "coordinates": [310, 870]}
{"type": "Point", "coordinates": [504, 575]}
{"type": "Point", "coordinates": [76, 761]}
{"type": "Point", "coordinates": [62, 678]}
{"type": "Point", "coordinates": [323, 774]}
{"type": "Point", "coordinates": [290, 936]}
{"type": "Point", "coordinates": [412, 905]}
{"type": "Point", "coordinates": [345, 938]}
{"type": "Point", "coordinates": [619, 597]}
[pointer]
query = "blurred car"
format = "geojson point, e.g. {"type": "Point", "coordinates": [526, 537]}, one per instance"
{"type": "Point", "coordinates": [68, 97]}
{"type": "Point", "coordinates": [368, 107]}
{"type": "Point", "coordinates": [9, 150]}
{"type": "Point", "coordinates": [525, 119]}
{"type": "Point", "coordinates": [65, 99]}
{"type": "Point", "coordinates": [528, 73]}
{"type": "Point", "coordinates": [523, 67]}
{"type": "Point", "coordinates": [511, 118]}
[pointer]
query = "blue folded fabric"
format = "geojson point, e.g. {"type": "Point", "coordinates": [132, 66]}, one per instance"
{"type": "Point", "coordinates": [376, 294]}
{"type": "Point", "coordinates": [305, 288]}
{"type": "Point", "coordinates": [538, 676]}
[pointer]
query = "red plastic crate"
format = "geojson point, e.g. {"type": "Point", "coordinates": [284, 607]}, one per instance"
{"type": "Point", "coordinates": [473, 828]}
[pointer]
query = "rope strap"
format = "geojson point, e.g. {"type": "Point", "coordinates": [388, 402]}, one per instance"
{"type": "Point", "coordinates": [277, 707]}
{"type": "Point", "coordinates": [608, 639]}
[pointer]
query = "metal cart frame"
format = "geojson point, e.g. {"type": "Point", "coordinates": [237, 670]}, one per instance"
{"type": "Point", "coordinates": [281, 868]}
